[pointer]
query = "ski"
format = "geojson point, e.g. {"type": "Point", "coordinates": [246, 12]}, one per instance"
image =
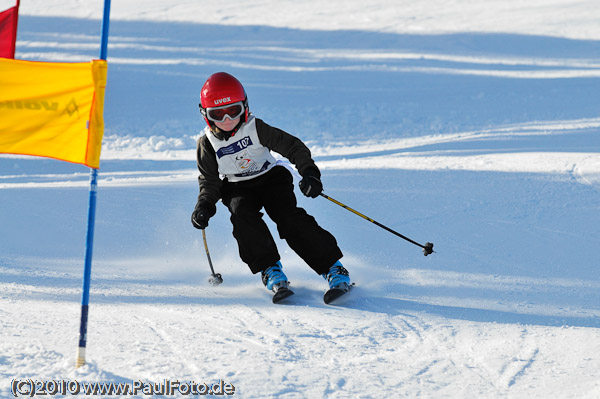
{"type": "Point", "coordinates": [334, 293]}
{"type": "Point", "coordinates": [281, 294]}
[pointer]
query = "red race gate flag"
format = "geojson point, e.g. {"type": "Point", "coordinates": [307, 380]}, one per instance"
{"type": "Point", "coordinates": [8, 31]}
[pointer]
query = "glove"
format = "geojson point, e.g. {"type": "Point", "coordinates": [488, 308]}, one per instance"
{"type": "Point", "coordinates": [310, 185]}
{"type": "Point", "coordinates": [204, 211]}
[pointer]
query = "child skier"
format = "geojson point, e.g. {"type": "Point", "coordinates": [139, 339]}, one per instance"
{"type": "Point", "coordinates": [236, 165]}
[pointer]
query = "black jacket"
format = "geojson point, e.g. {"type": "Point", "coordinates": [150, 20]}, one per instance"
{"type": "Point", "coordinates": [271, 137]}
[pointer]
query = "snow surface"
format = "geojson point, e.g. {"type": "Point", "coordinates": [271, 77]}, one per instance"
{"type": "Point", "coordinates": [473, 125]}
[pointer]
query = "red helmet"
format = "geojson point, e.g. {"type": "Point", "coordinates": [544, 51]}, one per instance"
{"type": "Point", "coordinates": [219, 90]}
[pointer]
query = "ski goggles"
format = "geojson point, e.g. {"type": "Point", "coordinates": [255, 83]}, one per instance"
{"type": "Point", "coordinates": [231, 111]}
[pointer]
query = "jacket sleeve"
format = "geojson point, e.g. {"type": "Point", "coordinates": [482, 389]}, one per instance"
{"type": "Point", "coordinates": [208, 180]}
{"type": "Point", "coordinates": [287, 145]}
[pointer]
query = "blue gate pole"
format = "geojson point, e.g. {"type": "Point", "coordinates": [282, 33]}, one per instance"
{"type": "Point", "coordinates": [89, 244]}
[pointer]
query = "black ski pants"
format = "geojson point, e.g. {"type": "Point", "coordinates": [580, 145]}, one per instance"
{"type": "Point", "coordinates": [274, 191]}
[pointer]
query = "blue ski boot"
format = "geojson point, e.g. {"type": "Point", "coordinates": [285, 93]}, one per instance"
{"type": "Point", "coordinates": [275, 280]}
{"type": "Point", "coordinates": [339, 282]}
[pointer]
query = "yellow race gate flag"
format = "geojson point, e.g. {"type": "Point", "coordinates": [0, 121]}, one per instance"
{"type": "Point", "coordinates": [52, 109]}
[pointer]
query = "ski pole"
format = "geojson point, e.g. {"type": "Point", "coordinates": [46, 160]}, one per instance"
{"type": "Point", "coordinates": [215, 279]}
{"type": "Point", "coordinates": [427, 248]}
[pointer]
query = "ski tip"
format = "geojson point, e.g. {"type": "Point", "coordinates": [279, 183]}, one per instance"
{"type": "Point", "coordinates": [282, 294]}
{"type": "Point", "coordinates": [334, 293]}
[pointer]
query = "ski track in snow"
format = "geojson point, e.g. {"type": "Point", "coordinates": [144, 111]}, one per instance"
{"type": "Point", "coordinates": [398, 154]}
{"type": "Point", "coordinates": [234, 334]}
